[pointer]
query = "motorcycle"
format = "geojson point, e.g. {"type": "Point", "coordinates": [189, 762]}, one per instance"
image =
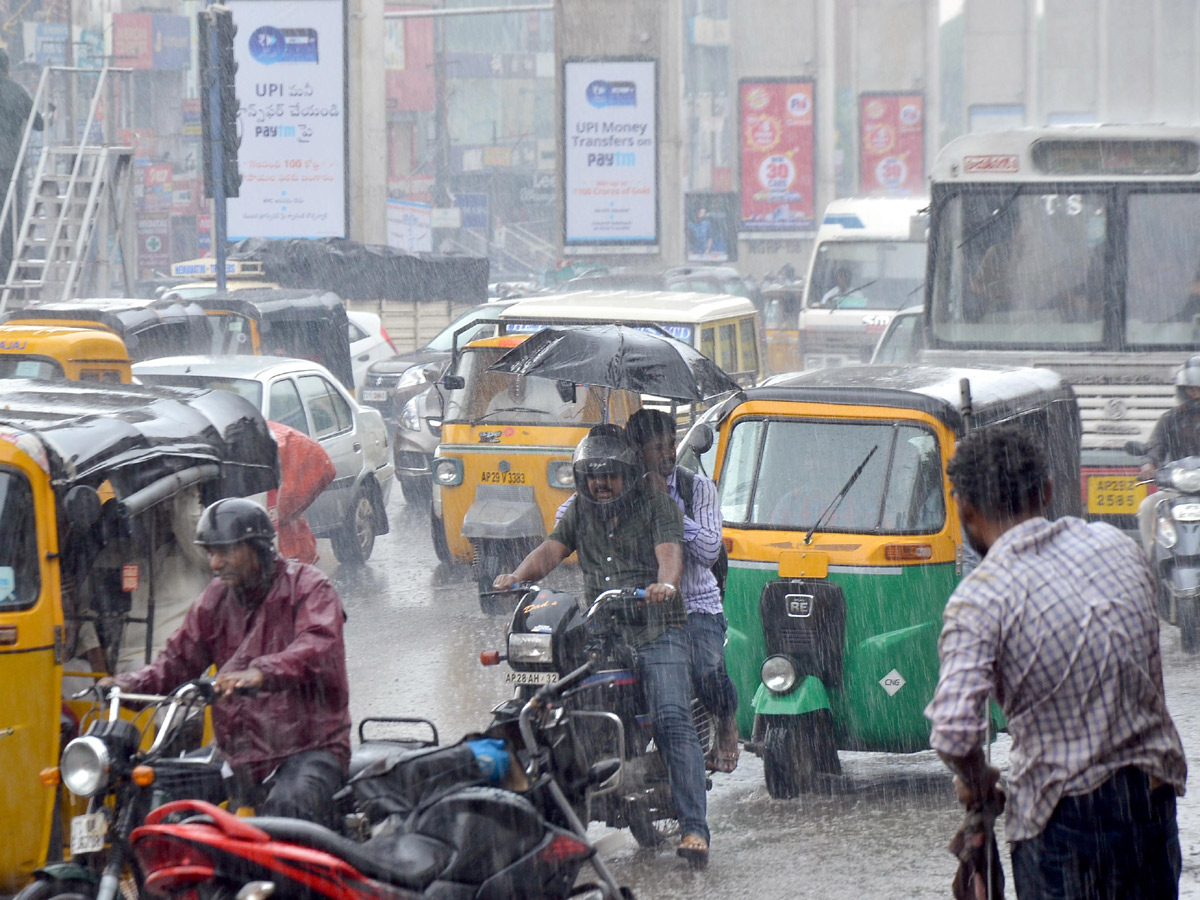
{"type": "Point", "coordinates": [551, 634]}
{"type": "Point", "coordinates": [442, 825]}
{"type": "Point", "coordinates": [122, 783]}
{"type": "Point", "coordinates": [1175, 556]}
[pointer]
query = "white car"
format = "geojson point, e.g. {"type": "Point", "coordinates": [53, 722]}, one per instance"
{"type": "Point", "coordinates": [353, 509]}
{"type": "Point", "coordinates": [369, 342]}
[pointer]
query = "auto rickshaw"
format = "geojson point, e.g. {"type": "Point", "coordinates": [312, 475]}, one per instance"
{"type": "Point", "coordinates": [308, 325]}
{"type": "Point", "coordinates": [49, 352]}
{"type": "Point", "coordinates": [844, 546]}
{"type": "Point", "coordinates": [503, 467]}
{"type": "Point", "coordinates": [148, 328]}
{"type": "Point", "coordinates": [86, 474]}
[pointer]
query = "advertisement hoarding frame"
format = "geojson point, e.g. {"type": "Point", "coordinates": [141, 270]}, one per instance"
{"type": "Point", "coordinates": [744, 234]}
{"type": "Point", "coordinates": [863, 97]}
{"type": "Point", "coordinates": [583, 248]}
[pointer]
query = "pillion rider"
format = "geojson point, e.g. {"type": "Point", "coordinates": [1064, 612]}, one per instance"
{"type": "Point", "coordinates": [629, 537]}
{"type": "Point", "coordinates": [273, 624]}
{"type": "Point", "coordinates": [1176, 435]}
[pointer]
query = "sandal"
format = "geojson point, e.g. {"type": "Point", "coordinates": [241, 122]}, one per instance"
{"type": "Point", "coordinates": [694, 849]}
{"type": "Point", "coordinates": [726, 750]}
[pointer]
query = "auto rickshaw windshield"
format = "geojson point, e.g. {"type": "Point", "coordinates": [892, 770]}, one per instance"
{"type": "Point", "coordinates": [499, 397]}
{"type": "Point", "coordinates": [898, 491]}
{"type": "Point", "coordinates": [20, 581]}
{"type": "Point", "coordinates": [232, 333]}
{"type": "Point", "coordinates": [30, 367]}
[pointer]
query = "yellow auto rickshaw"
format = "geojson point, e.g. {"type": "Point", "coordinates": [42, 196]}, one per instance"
{"type": "Point", "coordinates": [86, 474]}
{"type": "Point", "coordinates": [52, 352]}
{"type": "Point", "coordinates": [503, 467]}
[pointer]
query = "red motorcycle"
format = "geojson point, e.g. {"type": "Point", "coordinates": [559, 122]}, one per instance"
{"type": "Point", "coordinates": [440, 832]}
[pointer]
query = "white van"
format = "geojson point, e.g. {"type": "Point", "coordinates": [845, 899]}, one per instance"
{"type": "Point", "coordinates": [868, 262]}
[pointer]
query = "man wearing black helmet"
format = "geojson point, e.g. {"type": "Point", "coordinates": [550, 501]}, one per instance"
{"type": "Point", "coordinates": [629, 537]}
{"type": "Point", "coordinates": [273, 625]}
{"type": "Point", "coordinates": [1176, 435]}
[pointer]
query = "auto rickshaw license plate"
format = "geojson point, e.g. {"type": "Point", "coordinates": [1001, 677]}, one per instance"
{"type": "Point", "coordinates": [1114, 494]}
{"type": "Point", "coordinates": [531, 677]}
{"type": "Point", "coordinates": [87, 833]}
{"type": "Point", "coordinates": [502, 477]}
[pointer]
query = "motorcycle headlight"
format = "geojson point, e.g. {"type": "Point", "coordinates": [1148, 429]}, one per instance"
{"type": "Point", "coordinates": [778, 673]}
{"type": "Point", "coordinates": [409, 417]}
{"type": "Point", "coordinates": [85, 765]}
{"type": "Point", "coordinates": [413, 375]}
{"type": "Point", "coordinates": [1186, 481]}
{"type": "Point", "coordinates": [1164, 531]}
{"type": "Point", "coordinates": [530, 648]}
{"type": "Point", "coordinates": [448, 471]}
{"type": "Point", "coordinates": [560, 474]}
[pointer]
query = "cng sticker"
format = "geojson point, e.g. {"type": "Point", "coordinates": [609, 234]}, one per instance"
{"type": "Point", "coordinates": [892, 682]}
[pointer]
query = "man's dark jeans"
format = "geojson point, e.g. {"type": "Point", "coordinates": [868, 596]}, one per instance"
{"type": "Point", "coordinates": [303, 787]}
{"type": "Point", "coordinates": [1121, 841]}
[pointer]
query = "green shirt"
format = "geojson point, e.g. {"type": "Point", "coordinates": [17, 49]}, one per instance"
{"type": "Point", "coordinates": [620, 553]}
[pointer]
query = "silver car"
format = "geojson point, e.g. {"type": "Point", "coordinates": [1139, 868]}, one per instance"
{"type": "Point", "coordinates": [304, 395]}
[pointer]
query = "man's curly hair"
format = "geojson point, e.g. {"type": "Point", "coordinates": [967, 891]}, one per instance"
{"type": "Point", "coordinates": [1001, 471]}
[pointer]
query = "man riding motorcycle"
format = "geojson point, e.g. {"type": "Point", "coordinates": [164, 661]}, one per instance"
{"type": "Point", "coordinates": [628, 537]}
{"type": "Point", "coordinates": [273, 624]}
{"type": "Point", "coordinates": [1175, 436]}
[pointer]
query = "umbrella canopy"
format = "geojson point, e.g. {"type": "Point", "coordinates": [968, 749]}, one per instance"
{"type": "Point", "coordinates": [618, 356]}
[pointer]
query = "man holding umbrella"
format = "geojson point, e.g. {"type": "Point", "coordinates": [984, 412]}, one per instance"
{"type": "Point", "coordinates": [627, 536]}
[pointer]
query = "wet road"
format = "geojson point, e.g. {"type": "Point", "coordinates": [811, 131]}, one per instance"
{"type": "Point", "coordinates": [413, 640]}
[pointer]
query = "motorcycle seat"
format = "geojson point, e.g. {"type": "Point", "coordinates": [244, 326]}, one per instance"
{"type": "Point", "coordinates": [411, 861]}
{"type": "Point", "coordinates": [370, 751]}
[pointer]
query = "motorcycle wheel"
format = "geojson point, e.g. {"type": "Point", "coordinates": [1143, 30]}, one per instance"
{"type": "Point", "coordinates": [57, 889]}
{"type": "Point", "coordinates": [651, 827]}
{"type": "Point", "coordinates": [1189, 625]}
{"type": "Point", "coordinates": [795, 750]}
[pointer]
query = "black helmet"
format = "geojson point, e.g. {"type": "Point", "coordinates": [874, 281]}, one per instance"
{"type": "Point", "coordinates": [233, 520]}
{"type": "Point", "coordinates": [606, 450]}
{"type": "Point", "coordinates": [1187, 376]}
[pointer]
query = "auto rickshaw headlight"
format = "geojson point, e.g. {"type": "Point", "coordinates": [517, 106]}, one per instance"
{"type": "Point", "coordinates": [560, 474]}
{"type": "Point", "coordinates": [448, 471]}
{"type": "Point", "coordinates": [530, 648]}
{"type": "Point", "coordinates": [1164, 531]}
{"type": "Point", "coordinates": [85, 766]}
{"type": "Point", "coordinates": [778, 673]}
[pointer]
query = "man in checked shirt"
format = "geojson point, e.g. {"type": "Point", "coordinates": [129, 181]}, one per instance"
{"type": "Point", "coordinates": [1058, 623]}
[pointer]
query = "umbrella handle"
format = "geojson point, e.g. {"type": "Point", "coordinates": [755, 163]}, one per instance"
{"type": "Point", "coordinates": [604, 404]}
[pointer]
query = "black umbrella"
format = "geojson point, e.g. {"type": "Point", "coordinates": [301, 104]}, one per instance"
{"type": "Point", "coordinates": [618, 356]}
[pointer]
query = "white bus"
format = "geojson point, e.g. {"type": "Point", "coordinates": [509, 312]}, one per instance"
{"type": "Point", "coordinates": [1075, 249]}
{"type": "Point", "coordinates": [868, 262]}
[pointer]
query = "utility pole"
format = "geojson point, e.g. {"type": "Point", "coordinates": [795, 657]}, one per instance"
{"type": "Point", "coordinates": [219, 120]}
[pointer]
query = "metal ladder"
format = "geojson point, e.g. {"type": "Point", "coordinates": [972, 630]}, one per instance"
{"type": "Point", "coordinates": [76, 235]}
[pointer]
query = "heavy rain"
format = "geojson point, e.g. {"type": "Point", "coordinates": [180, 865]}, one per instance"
{"type": "Point", "coordinates": [599, 448]}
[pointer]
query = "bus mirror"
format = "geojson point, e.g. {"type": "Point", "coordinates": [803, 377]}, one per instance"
{"type": "Point", "coordinates": [82, 506]}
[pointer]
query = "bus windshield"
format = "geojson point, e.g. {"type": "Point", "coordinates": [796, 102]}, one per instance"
{"type": "Point", "coordinates": [1047, 265]}
{"type": "Point", "coordinates": [867, 274]}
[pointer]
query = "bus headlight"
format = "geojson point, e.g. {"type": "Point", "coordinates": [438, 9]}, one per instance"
{"type": "Point", "coordinates": [560, 474]}
{"type": "Point", "coordinates": [530, 648]}
{"type": "Point", "coordinates": [85, 766]}
{"type": "Point", "coordinates": [778, 673]}
{"type": "Point", "coordinates": [448, 471]}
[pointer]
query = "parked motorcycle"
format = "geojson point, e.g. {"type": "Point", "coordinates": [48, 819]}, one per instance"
{"type": "Point", "coordinates": [1175, 556]}
{"type": "Point", "coordinates": [553, 633]}
{"type": "Point", "coordinates": [442, 826]}
{"type": "Point", "coordinates": [122, 783]}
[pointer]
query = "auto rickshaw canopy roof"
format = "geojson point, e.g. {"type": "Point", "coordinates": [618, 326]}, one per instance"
{"type": "Point", "coordinates": [70, 343]}
{"type": "Point", "coordinates": [149, 328]}
{"type": "Point", "coordinates": [134, 436]}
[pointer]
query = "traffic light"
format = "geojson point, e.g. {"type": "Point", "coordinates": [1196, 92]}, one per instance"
{"type": "Point", "coordinates": [216, 27]}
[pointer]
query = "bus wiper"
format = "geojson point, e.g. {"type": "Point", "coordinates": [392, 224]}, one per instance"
{"type": "Point", "coordinates": [991, 220]}
{"type": "Point", "coordinates": [840, 494]}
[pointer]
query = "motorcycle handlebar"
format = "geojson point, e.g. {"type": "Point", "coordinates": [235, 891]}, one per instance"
{"type": "Point", "coordinates": [605, 597]}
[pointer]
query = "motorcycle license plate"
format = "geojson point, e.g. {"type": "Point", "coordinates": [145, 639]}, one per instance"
{"type": "Point", "coordinates": [1114, 494]}
{"type": "Point", "coordinates": [87, 833]}
{"type": "Point", "coordinates": [374, 396]}
{"type": "Point", "coordinates": [531, 677]}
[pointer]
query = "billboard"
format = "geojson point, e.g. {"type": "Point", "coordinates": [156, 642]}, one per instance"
{"type": "Point", "coordinates": [775, 154]}
{"type": "Point", "coordinates": [610, 153]}
{"type": "Point", "coordinates": [292, 92]}
{"type": "Point", "coordinates": [711, 222]}
{"type": "Point", "coordinates": [891, 143]}
{"type": "Point", "coordinates": [409, 226]}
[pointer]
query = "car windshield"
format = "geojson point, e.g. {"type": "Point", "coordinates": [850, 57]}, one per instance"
{"type": "Point", "coordinates": [244, 387]}
{"type": "Point", "coordinates": [444, 342]}
{"type": "Point", "coordinates": [20, 580]}
{"type": "Point", "coordinates": [867, 274]}
{"type": "Point", "coordinates": [900, 489]}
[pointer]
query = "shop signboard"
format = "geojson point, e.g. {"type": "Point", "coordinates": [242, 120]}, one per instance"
{"type": "Point", "coordinates": [158, 194]}
{"type": "Point", "coordinates": [154, 242]}
{"type": "Point", "coordinates": [172, 42]}
{"type": "Point", "coordinates": [776, 152]}
{"type": "Point", "coordinates": [474, 209]}
{"type": "Point", "coordinates": [610, 154]}
{"type": "Point", "coordinates": [891, 143]}
{"type": "Point", "coordinates": [292, 90]}
{"type": "Point", "coordinates": [133, 40]}
{"type": "Point", "coordinates": [409, 226]}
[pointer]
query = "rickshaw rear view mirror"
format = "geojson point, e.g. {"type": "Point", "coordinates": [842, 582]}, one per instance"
{"type": "Point", "coordinates": [566, 391]}
{"type": "Point", "coordinates": [803, 564]}
{"type": "Point", "coordinates": [702, 438]}
{"type": "Point", "coordinates": [453, 382]}
{"type": "Point", "coordinates": [82, 506]}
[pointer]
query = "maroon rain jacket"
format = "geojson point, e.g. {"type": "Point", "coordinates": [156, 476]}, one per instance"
{"type": "Point", "coordinates": [295, 638]}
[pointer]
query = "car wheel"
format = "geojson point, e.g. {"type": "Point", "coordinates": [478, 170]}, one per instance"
{"type": "Point", "coordinates": [354, 541]}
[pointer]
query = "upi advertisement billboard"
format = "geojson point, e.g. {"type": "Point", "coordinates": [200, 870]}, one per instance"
{"type": "Point", "coordinates": [610, 154]}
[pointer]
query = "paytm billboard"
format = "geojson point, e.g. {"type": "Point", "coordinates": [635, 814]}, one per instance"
{"type": "Point", "coordinates": [292, 120]}
{"type": "Point", "coordinates": [610, 153]}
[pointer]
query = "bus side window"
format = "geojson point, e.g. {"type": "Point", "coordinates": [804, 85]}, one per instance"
{"type": "Point", "coordinates": [727, 348]}
{"type": "Point", "coordinates": [708, 344]}
{"type": "Point", "coordinates": [748, 335]}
